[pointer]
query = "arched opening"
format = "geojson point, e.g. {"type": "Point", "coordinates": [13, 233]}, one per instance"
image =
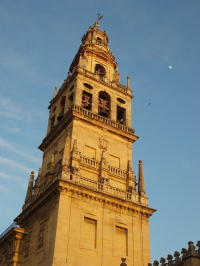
{"type": "Point", "coordinates": [100, 70]}
{"type": "Point", "coordinates": [62, 108]}
{"type": "Point", "coordinates": [86, 100]}
{"type": "Point", "coordinates": [104, 104]}
{"type": "Point", "coordinates": [121, 115]}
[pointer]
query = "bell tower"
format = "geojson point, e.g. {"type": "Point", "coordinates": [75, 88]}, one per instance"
{"type": "Point", "coordinates": [84, 207]}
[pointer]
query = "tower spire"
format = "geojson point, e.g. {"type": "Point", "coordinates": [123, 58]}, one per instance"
{"type": "Point", "coordinates": [141, 183]}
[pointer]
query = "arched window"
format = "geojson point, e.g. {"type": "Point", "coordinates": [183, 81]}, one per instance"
{"type": "Point", "coordinates": [100, 70]}
{"type": "Point", "coordinates": [104, 104]}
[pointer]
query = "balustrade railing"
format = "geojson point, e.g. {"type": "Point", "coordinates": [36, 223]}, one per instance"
{"type": "Point", "coordinates": [102, 119]}
{"type": "Point", "coordinates": [117, 171]}
{"type": "Point", "coordinates": [96, 164]}
{"type": "Point", "coordinates": [90, 162]}
{"type": "Point", "coordinates": [85, 181]}
{"type": "Point", "coordinates": [106, 188]}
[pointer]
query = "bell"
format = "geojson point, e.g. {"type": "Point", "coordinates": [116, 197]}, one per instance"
{"type": "Point", "coordinates": [86, 105]}
{"type": "Point", "coordinates": [103, 112]}
{"type": "Point", "coordinates": [59, 117]}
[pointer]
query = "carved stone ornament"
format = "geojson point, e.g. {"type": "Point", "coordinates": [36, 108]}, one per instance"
{"type": "Point", "coordinates": [104, 163]}
{"type": "Point", "coordinates": [191, 248]}
{"type": "Point", "coordinates": [75, 151]}
{"type": "Point", "coordinates": [75, 170]}
{"type": "Point", "coordinates": [162, 261]}
{"type": "Point", "coordinates": [4, 258]}
{"type": "Point", "coordinates": [41, 234]}
{"type": "Point", "coordinates": [105, 181]}
{"type": "Point", "coordinates": [123, 262]}
{"type": "Point", "coordinates": [103, 143]}
{"type": "Point", "coordinates": [55, 148]}
{"type": "Point", "coordinates": [27, 244]}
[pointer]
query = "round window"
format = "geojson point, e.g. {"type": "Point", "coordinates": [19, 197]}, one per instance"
{"type": "Point", "coordinates": [120, 100]}
{"type": "Point", "coordinates": [88, 86]}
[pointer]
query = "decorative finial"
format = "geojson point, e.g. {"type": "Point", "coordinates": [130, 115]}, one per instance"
{"type": "Point", "coordinates": [191, 248]}
{"type": "Point", "coordinates": [123, 262]}
{"type": "Point", "coordinates": [29, 192]}
{"type": "Point", "coordinates": [55, 91]}
{"type": "Point", "coordinates": [141, 183]}
{"type": "Point", "coordinates": [128, 82]}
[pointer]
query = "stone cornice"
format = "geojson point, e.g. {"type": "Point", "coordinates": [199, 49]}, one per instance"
{"type": "Point", "coordinates": [38, 201]}
{"type": "Point", "coordinates": [104, 198]}
{"type": "Point", "coordinates": [70, 188]}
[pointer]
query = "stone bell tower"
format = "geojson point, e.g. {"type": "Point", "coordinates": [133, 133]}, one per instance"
{"type": "Point", "coordinates": [85, 208]}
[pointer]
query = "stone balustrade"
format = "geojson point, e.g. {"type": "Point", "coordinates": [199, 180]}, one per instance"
{"type": "Point", "coordinates": [116, 171]}
{"type": "Point", "coordinates": [96, 164]}
{"type": "Point", "coordinates": [102, 119]}
{"type": "Point", "coordinates": [90, 162]}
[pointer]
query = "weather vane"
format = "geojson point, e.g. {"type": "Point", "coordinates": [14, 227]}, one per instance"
{"type": "Point", "coordinates": [99, 17]}
{"type": "Point", "coordinates": [96, 24]}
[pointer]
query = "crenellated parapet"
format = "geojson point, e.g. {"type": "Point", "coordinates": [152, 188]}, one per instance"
{"type": "Point", "coordinates": [189, 257]}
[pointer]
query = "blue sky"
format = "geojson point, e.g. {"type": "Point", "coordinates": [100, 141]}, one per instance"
{"type": "Point", "coordinates": [38, 42]}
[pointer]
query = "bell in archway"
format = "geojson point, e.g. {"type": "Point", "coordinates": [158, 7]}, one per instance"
{"type": "Point", "coordinates": [102, 112]}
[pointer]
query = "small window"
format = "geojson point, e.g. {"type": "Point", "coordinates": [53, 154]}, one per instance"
{"type": "Point", "coordinates": [88, 86]}
{"type": "Point", "coordinates": [99, 39]}
{"type": "Point", "coordinates": [121, 115]}
{"type": "Point", "coordinates": [120, 100]}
